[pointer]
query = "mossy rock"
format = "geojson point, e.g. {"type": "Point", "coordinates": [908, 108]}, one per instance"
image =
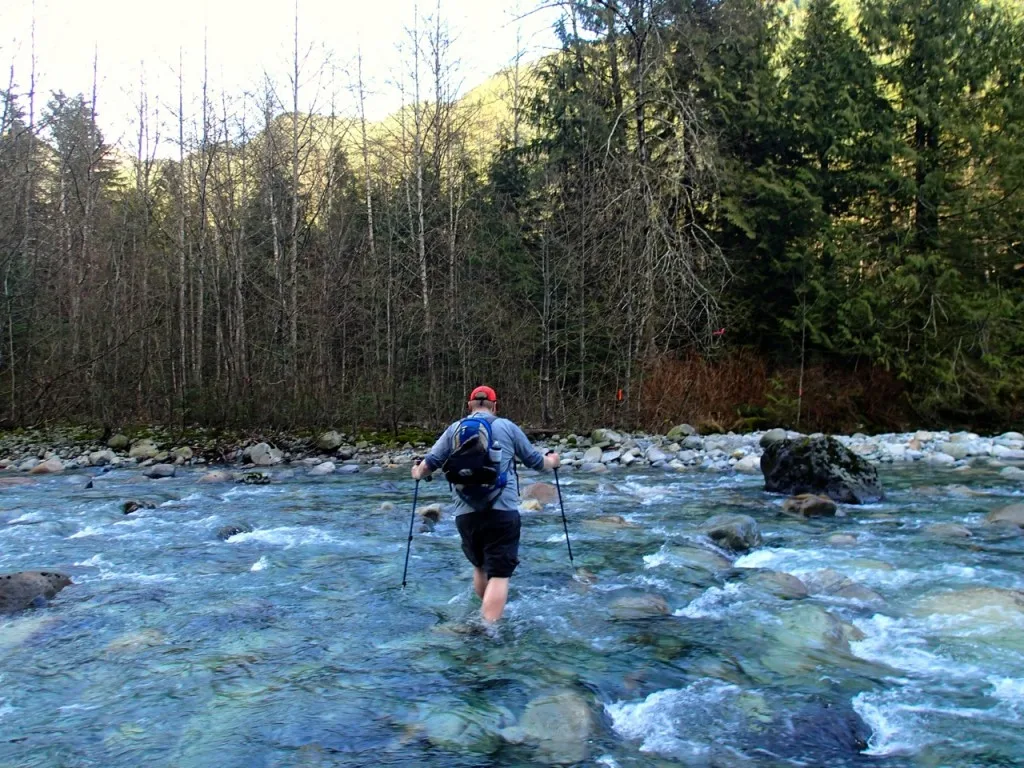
{"type": "Point", "coordinates": [820, 465]}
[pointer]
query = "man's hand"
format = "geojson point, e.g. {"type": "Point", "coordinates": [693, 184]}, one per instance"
{"type": "Point", "coordinates": [420, 470]}
{"type": "Point", "coordinates": [552, 461]}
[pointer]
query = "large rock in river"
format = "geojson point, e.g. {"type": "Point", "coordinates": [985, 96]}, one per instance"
{"type": "Point", "coordinates": [819, 465]}
{"type": "Point", "coordinates": [26, 588]}
{"type": "Point", "coordinates": [558, 725]}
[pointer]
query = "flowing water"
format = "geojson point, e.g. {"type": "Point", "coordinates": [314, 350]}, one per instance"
{"type": "Point", "coordinates": [294, 644]}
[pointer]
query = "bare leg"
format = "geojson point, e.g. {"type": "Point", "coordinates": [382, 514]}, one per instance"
{"type": "Point", "coordinates": [479, 582]}
{"type": "Point", "coordinates": [495, 596]}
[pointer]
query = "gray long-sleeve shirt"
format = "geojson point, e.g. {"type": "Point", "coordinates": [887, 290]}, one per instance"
{"type": "Point", "coordinates": [512, 442]}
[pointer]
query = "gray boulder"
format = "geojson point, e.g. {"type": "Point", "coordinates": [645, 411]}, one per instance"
{"type": "Point", "coordinates": [26, 589]}
{"type": "Point", "coordinates": [329, 441]}
{"type": "Point", "coordinates": [262, 455]}
{"type": "Point", "coordinates": [49, 467]}
{"type": "Point", "coordinates": [809, 505]}
{"type": "Point", "coordinates": [217, 476]}
{"type": "Point", "coordinates": [102, 458]}
{"type": "Point", "coordinates": [820, 465]}
{"type": "Point", "coordinates": [225, 532]}
{"type": "Point", "coordinates": [680, 431]}
{"type": "Point", "coordinates": [1012, 473]}
{"type": "Point", "coordinates": [326, 468]}
{"type": "Point", "coordinates": [348, 469]}
{"type": "Point", "coordinates": [160, 471]}
{"type": "Point", "coordinates": [738, 533]}
{"type": "Point", "coordinates": [773, 436]}
{"type": "Point", "coordinates": [592, 455]}
{"type": "Point", "coordinates": [639, 607]}
{"type": "Point", "coordinates": [143, 449]}
{"type": "Point", "coordinates": [834, 584]}
{"type": "Point", "coordinates": [560, 727]}
{"type": "Point", "coordinates": [118, 442]}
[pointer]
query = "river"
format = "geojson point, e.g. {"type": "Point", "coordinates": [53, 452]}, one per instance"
{"type": "Point", "coordinates": [292, 643]}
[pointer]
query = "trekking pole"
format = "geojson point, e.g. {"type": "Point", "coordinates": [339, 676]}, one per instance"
{"type": "Point", "coordinates": [412, 519]}
{"type": "Point", "coordinates": [565, 525]}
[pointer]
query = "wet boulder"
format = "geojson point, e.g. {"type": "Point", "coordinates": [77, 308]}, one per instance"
{"type": "Point", "coordinates": [608, 522]}
{"type": "Point", "coordinates": [225, 532]}
{"type": "Point", "coordinates": [738, 533]}
{"type": "Point", "coordinates": [102, 458]}
{"type": "Point", "coordinates": [118, 442]}
{"type": "Point", "coordinates": [820, 465]}
{"type": "Point", "coordinates": [26, 589]}
{"type": "Point", "coordinates": [431, 512]}
{"type": "Point", "coordinates": [255, 478]}
{"type": "Point", "coordinates": [545, 493]}
{"type": "Point", "coordinates": [160, 471]}
{"type": "Point", "coordinates": [784, 586]}
{"type": "Point", "coordinates": [324, 468]}
{"type": "Point", "coordinates": [948, 531]}
{"type": "Point", "coordinates": [843, 539]}
{"type": "Point", "coordinates": [134, 506]}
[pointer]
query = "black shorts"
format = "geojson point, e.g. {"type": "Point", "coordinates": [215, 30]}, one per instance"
{"type": "Point", "coordinates": [490, 540]}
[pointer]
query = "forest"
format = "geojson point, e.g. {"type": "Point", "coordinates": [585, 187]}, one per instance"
{"type": "Point", "coordinates": [736, 213]}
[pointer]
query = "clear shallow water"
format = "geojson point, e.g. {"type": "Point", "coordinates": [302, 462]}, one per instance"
{"type": "Point", "coordinates": [294, 645]}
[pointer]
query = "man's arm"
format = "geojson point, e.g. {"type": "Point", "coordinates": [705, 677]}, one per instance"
{"type": "Point", "coordinates": [529, 455]}
{"type": "Point", "coordinates": [435, 457]}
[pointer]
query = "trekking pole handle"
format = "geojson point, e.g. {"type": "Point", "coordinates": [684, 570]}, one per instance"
{"type": "Point", "coordinates": [429, 477]}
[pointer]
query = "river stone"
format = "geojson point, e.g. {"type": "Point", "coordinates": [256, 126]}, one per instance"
{"type": "Point", "coordinates": [531, 505]}
{"type": "Point", "coordinates": [805, 636]}
{"type": "Point", "coordinates": [638, 607]}
{"type": "Point", "coordinates": [134, 506]}
{"type": "Point", "coordinates": [610, 522]}
{"type": "Point", "coordinates": [680, 431]}
{"type": "Point", "coordinates": [785, 586]}
{"type": "Point", "coordinates": [322, 469]}
{"type": "Point", "coordinates": [820, 465]}
{"type": "Point", "coordinates": [809, 505]}
{"type": "Point", "coordinates": [225, 532]}
{"type": "Point", "coordinates": [609, 456]}
{"type": "Point", "coordinates": [182, 454]}
{"type": "Point", "coordinates": [559, 725]}
{"type": "Point", "coordinates": [255, 478]}
{"type": "Point", "coordinates": [48, 467]}
{"type": "Point", "coordinates": [159, 471]}
{"type": "Point", "coordinates": [262, 455]}
{"type": "Point", "coordinates": [605, 436]}
{"type": "Point", "coordinates": [431, 512]}
{"type": "Point", "coordinates": [655, 454]}
{"type": "Point", "coordinates": [545, 493]}
{"type": "Point", "coordinates": [948, 531]}
{"type": "Point", "coordinates": [1012, 473]}
{"type": "Point", "coordinates": [1012, 514]}
{"type": "Point", "coordinates": [834, 584]}
{"type": "Point", "coordinates": [997, 604]}
{"type": "Point", "coordinates": [773, 436]}
{"type": "Point", "coordinates": [842, 539]}
{"type": "Point", "coordinates": [329, 441]}
{"type": "Point", "coordinates": [24, 589]}
{"type": "Point", "coordinates": [594, 468]}
{"type": "Point", "coordinates": [696, 565]}
{"type": "Point", "coordinates": [135, 640]}
{"type": "Point", "coordinates": [462, 730]}
{"type": "Point", "coordinates": [143, 449]}
{"type": "Point", "coordinates": [749, 465]}
{"type": "Point", "coordinates": [737, 533]}
{"type": "Point", "coordinates": [592, 455]}
{"type": "Point", "coordinates": [102, 458]}
{"type": "Point", "coordinates": [348, 469]}
{"type": "Point", "coordinates": [955, 450]}
{"type": "Point", "coordinates": [217, 476]}
{"type": "Point", "coordinates": [693, 443]}
{"type": "Point", "coordinates": [118, 442]}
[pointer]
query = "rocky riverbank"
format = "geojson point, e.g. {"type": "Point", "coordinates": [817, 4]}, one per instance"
{"type": "Point", "coordinates": [159, 452]}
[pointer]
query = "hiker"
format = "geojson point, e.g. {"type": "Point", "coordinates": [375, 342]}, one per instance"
{"type": "Point", "coordinates": [477, 456]}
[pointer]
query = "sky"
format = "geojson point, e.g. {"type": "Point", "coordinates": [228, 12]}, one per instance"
{"type": "Point", "coordinates": [134, 40]}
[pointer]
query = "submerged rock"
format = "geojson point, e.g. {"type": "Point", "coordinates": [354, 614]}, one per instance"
{"type": "Point", "coordinates": [431, 512]}
{"type": "Point", "coordinates": [545, 493]}
{"type": "Point", "coordinates": [809, 505]}
{"type": "Point", "coordinates": [843, 539]}
{"type": "Point", "coordinates": [738, 533]}
{"type": "Point", "coordinates": [785, 586]}
{"type": "Point", "coordinates": [638, 607]}
{"type": "Point", "coordinates": [217, 476]}
{"type": "Point", "coordinates": [27, 589]}
{"type": "Point", "coordinates": [820, 465]}
{"type": "Point", "coordinates": [1012, 514]}
{"type": "Point", "coordinates": [134, 506]}
{"type": "Point", "coordinates": [558, 725]}
{"type": "Point", "coordinates": [531, 505]}
{"type": "Point", "coordinates": [225, 532]}
{"type": "Point", "coordinates": [834, 584]}
{"type": "Point", "coordinates": [948, 531]}
{"type": "Point", "coordinates": [612, 522]}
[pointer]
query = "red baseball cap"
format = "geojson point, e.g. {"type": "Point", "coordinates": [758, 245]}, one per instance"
{"type": "Point", "coordinates": [483, 393]}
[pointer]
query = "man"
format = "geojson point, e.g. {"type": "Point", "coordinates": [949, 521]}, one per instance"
{"type": "Point", "coordinates": [490, 534]}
